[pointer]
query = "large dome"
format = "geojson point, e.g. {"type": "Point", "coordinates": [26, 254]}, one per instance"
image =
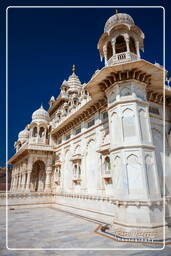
{"type": "Point", "coordinates": [119, 18]}
{"type": "Point", "coordinates": [40, 115]}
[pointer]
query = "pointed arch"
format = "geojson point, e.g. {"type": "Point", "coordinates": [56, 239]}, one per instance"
{"type": "Point", "coordinates": [128, 120]}
{"type": "Point", "coordinates": [109, 50]}
{"type": "Point", "coordinates": [120, 45]}
{"type": "Point", "coordinates": [132, 46]}
{"type": "Point", "coordinates": [38, 176]}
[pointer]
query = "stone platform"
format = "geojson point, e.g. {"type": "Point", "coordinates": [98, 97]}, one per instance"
{"type": "Point", "coordinates": [98, 209]}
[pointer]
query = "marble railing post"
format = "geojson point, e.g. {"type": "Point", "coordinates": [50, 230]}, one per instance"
{"type": "Point", "coordinates": [47, 181]}
{"type": "Point", "coordinates": [28, 181]}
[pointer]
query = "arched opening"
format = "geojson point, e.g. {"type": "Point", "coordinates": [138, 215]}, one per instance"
{"type": "Point", "coordinates": [132, 45]}
{"type": "Point", "coordinates": [109, 50]}
{"type": "Point", "coordinates": [75, 169]}
{"type": "Point", "coordinates": [41, 132]}
{"type": "Point", "coordinates": [35, 131]}
{"type": "Point", "coordinates": [107, 164]}
{"type": "Point", "coordinates": [120, 45]}
{"type": "Point", "coordinates": [38, 175]}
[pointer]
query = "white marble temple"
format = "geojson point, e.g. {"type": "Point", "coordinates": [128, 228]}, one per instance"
{"type": "Point", "coordinates": [104, 140]}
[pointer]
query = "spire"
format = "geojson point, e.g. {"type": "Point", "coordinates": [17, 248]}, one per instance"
{"type": "Point", "coordinates": [73, 69]}
{"type": "Point", "coordinates": [116, 11]}
{"type": "Point", "coordinates": [41, 106]}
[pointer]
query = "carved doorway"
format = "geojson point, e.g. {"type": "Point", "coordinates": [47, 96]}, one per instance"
{"type": "Point", "coordinates": [38, 176]}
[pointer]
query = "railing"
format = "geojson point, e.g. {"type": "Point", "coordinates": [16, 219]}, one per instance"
{"type": "Point", "coordinates": [122, 57]}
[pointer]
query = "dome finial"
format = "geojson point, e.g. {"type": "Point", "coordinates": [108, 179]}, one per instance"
{"type": "Point", "coordinates": [73, 68]}
{"type": "Point", "coordinates": [41, 106]}
{"type": "Point", "coordinates": [116, 11]}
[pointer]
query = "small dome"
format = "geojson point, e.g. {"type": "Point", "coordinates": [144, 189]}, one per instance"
{"type": "Point", "coordinates": [52, 98]}
{"type": "Point", "coordinates": [73, 82]}
{"type": "Point", "coordinates": [23, 134]}
{"type": "Point", "coordinates": [64, 83]}
{"type": "Point", "coordinates": [40, 115]}
{"type": "Point", "coordinates": [119, 18]}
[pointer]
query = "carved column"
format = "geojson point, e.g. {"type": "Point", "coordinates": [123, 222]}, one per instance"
{"type": "Point", "coordinates": [23, 180]}
{"type": "Point", "coordinates": [138, 49]}
{"type": "Point", "coordinates": [37, 138]}
{"type": "Point", "coordinates": [15, 182]}
{"type": "Point", "coordinates": [127, 44]}
{"type": "Point", "coordinates": [12, 182]}
{"type": "Point", "coordinates": [23, 177]}
{"type": "Point", "coordinates": [19, 178]}
{"type": "Point", "coordinates": [113, 41]}
{"type": "Point", "coordinates": [28, 180]}
{"type": "Point", "coordinates": [47, 181]}
{"type": "Point", "coordinates": [105, 54]}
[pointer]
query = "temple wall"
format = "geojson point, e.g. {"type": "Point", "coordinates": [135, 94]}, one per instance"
{"type": "Point", "coordinates": [86, 145]}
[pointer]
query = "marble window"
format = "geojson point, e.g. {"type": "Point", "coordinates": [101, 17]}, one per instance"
{"type": "Point", "coordinates": [143, 126]}
{"type": "Point", "coordinates": [91, 123]}
{"type": "Point", "coordinates": [129, 124]}
{"type": "Point", "coordinates": [134, 174]}
{"type": "Point", "coordinates": [34, 131]}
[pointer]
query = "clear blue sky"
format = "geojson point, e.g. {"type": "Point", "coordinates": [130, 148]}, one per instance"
{"type": "Point", "coordinates": [44, 43]}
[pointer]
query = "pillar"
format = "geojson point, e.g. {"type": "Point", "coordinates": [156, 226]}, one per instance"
{"type": "Point", "coordinates": [113, 41]}
{"type": "Point", "coordinates": [47, 181]}
{"type": "Point", "coordinates": [127, 44]}
{"type": "Point", "coordinates": [28, 180]}
{"type": "Point", "coordinates": [137, 49]}
{"type": "Point", "coordinates": [15, 182]}
{"type": "Point", "coordinates": [37, 138]}
{"type": "Point", "coordinates": [23, 181]}
{"type": "Point", "coordinates": [105, 53]}
{"type": "Point", "coordinates": [18, 182]}
{"type": "Point", "coordinates": [12, 182]}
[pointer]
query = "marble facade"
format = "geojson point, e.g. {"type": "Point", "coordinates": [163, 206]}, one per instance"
{"type": "Point", "coordinates": [101, 143]}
